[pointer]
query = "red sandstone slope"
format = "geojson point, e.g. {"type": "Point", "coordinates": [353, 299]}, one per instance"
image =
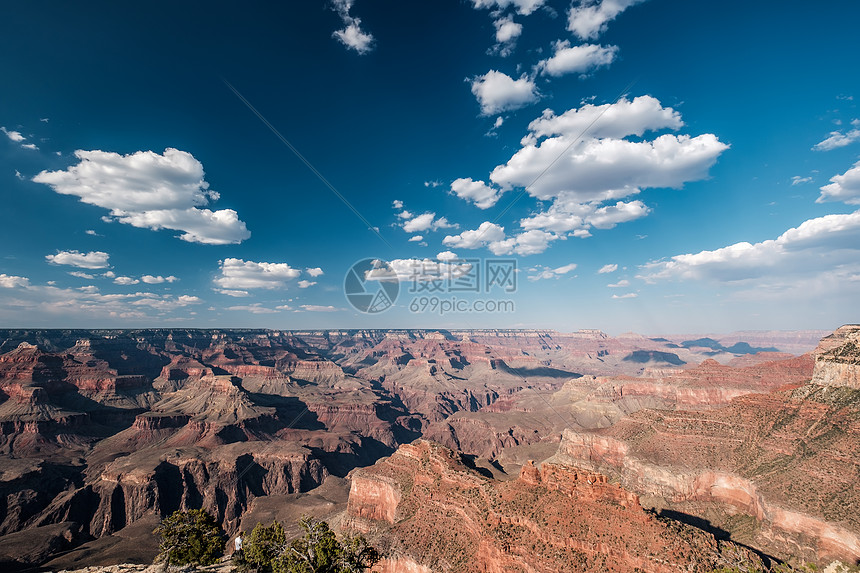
{"type": "Point", "coordinates": [777, 471]}
{"type": "Point", "coordinates": [429, 512]}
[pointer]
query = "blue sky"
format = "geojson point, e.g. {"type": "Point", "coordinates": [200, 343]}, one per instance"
{"type": "Point", "coordinates": [657, 166]}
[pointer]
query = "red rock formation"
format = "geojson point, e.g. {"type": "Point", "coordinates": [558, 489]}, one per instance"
{"type": "Point", "coordinates": [785, 459]}
{"type": "Point", "coordinates": [837, 359]}
{"type": "Point", "coordinates": [429, 512]}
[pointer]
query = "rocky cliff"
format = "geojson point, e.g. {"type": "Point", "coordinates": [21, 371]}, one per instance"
{"type": "Point", "coordinates": [837, 359]}
{"type": "Point", "coordinates": [430, 512]}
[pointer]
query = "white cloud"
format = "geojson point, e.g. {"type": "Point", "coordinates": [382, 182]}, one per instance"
{"type": "Point", "coordinates": [87, 303]}
{"type": "Point", "coordinates": [610, 268]}
{"type": "Point", "coordinates": [154, 280]}
{"type": "Point", "coordinates": [31, 146]}
{"type": "Point", "coordinates": [13, 135]}
{"type": "Point", "coordinates": [582, 163]}
{"type": "Point", "coordinates": [588, 18]}
{"type": "Point", "coordinates": [477, 192]}
{"type": "Point", "coordinates": [152, 191]}
{"type": "Point", "coordinates": [845, 187]}
{"type": "Point", "coordinates": [620, 284]}
{"type": "Point", "coordinates": [427, 222]}
{"type": "Point", "coordinates": [531, 242]}
{"type": "Point", "coordinates": [256, 308]}
{"type": "Point", "coordinates": [486, 233]}
{"type": "Point", "coordinates": [237, 274]}
{"type": "Point", "coordinates": [428, 184]}
{"type": "Point", "coordinates": [582, 59]}
{"type": "Point", "coordinates": [125, 281]}
{"type": "Point", "coordinates": [352, 36]}
{"type": "Point", "coordinates": [507, 30]}
{"type": "Point", "coordinates": [798, 180]}
{"type": "Point", "coordinates": [314, 272]}
{"type": "Point", "coordinates": [610, 215]}
{"type": "Point", "coordinates": [109, 275]}
{"type": "Point", "coordinates": [817, 245]}
{"type": "Point", "coordinates": [447, 256]}
{"type": "Point", "coordinates": [167, 303]}
{"type": "Point", "coordinates": [91, 260]}
{"type": "Point", "coordinates": [524, 7]}
{"type": "Point", "coordinates": [601, 169]}
{"type": "Point", "coordinates": [419, 270]}
{"type": "Point", "coordinates": [398, 204]}
{"type": "Point", "coordinates": [305, 284]}
{"type": "Point", "coordinates": [498, 92]}
{"type": "Point", "coordinates": [233, 293]}
{"type": "Point", "coordinates": [82, 275]}
{"type": "Point", "coordinates": [91, 233]}
{"type": "Point", "coordinates": [319, 308]}
{"type": "Point", "coordinates": [550, 273]}
{"type": "Point", "coordinates": [567, 215]}
{"type": "Point", "coordinates": [617, 120]}
{"type": "Point", "coordinates": [837, 139]}
{"type": "Point", "coordinates": [12, 281]}
{"type": "Point", "coordinates": [416, 239]}
{"type": "Point", "coordinates": [627, 295]}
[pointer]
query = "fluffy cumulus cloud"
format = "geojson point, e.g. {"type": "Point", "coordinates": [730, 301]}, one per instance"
{"type": "Point", "coordinates": [482, 195]}
{"type": "Point", "coordinates": [486, 233]}
{"type": "Point", "coordinates": [607, 121]}
{"type": "Point", "coordinates": [155, 280]}
{"type": "Point", "coordinates": [151, 191]}
{"type": "Point", "coordinates": [497, 92]}
{"type": "Point", "coordinates": [837, 139]}
{"type": "Point", "coordinates": [603, 169]}
{"type": "Point", "coordinates": [582, 59]}
{"type": "Point", "coordinates": [352, 36]}
{"type": "Point", "coordinates": [531, 242]}
{"type": "Point", "coordinates": [424, 222]}
{"type": "Point", "coordinates": [507, 32]}
{"type": "Point", "coordinates": [583, 162]}
{"type": "Point", "coordinates": [589, 18]}
{"type": "Point", "coordinates": [126, 281]}
{"type": "Point", "coordinates": [845, 187]}
{"type": "Point", "coordinates": [306, 283]}
{"type": "Point", "coordinates": [239, 275]}
{"type": "Point", "coordinates": [823, 244]}
{"type": "Point", "coordinates": [12, 281]}
{"type": "Point", "coordinates": [524, 7]}
{"type": "Point", "coordinates": [314, 271]}
{"type": "Point", "coordinates": [91, 260]}
{"type": "Point", "coordinates": [542, 273]}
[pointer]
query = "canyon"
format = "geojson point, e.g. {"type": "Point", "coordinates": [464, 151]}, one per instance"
{"type": "Point", "coordinates": [745, 444]}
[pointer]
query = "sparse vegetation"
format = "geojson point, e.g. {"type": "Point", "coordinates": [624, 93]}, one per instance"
{"type": "Point", "coordinates": [190, 538]}
{"type": "Point", "coordinates": [318, 550]}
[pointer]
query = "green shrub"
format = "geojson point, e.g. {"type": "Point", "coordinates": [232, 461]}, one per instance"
{"type": "Point", "coordinates": [318, 550]}
{"type": "Point", "coordinates": [190, 538]}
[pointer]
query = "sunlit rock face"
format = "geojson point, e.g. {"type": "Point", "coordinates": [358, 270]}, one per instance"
{"type": "Point", "coordinates": [837, 359]}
